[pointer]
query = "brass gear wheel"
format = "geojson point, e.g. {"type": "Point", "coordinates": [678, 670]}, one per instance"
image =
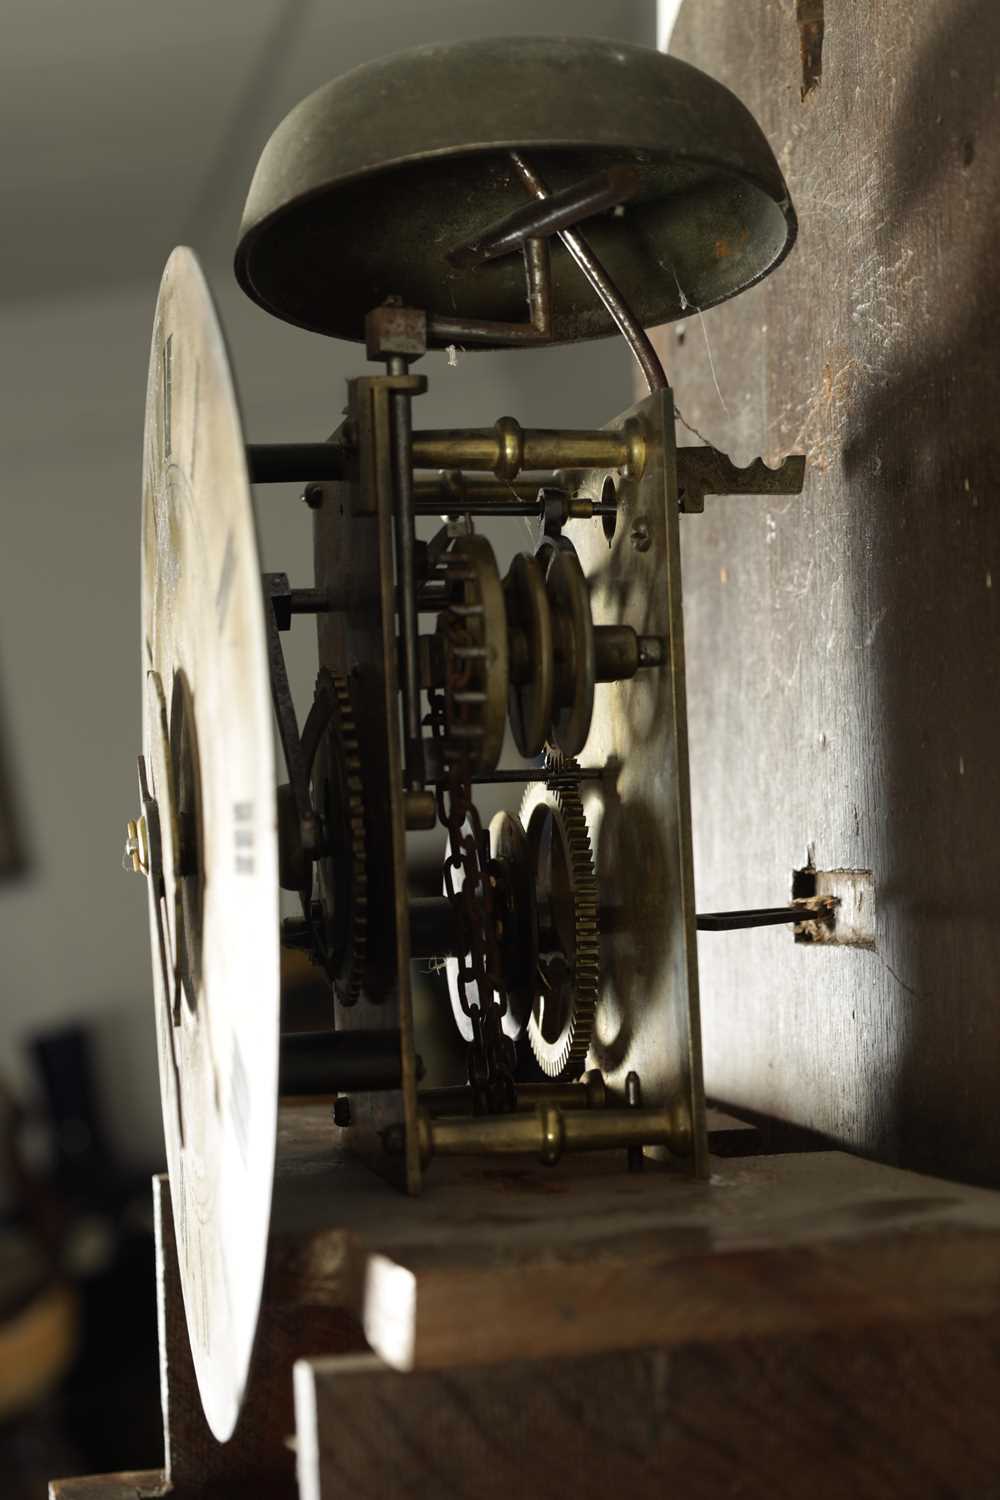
{"type": "Point", "coordinates": [331, 749]}
{"type": "Point", "coordinates": [567, 980]}
{"type": "Point", "coordinates": [473, 636]}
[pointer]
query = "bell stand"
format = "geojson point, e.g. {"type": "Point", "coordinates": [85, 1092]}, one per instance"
{"type": "Point", "coordinates": [478, 472]}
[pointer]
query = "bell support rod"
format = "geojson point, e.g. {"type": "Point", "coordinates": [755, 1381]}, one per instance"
{"type": "Point", "coordinates": [549, 215]}
{"type": "Point", "coordinates": [447, 330]}
{"type": "Point", "coordinates": [631, 330]}
{"type": "Point", "coordinates": [538, 283]}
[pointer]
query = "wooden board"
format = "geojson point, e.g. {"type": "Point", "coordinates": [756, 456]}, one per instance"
{"type": "Point", "coordinates": [908, 1411]}
{"type": "Point", "coordinates": [843, 661]}
{"type": "Point", "coordinates": [783, 1298]}
{"type": "Point", "coordinates": [258, 1458]}
{"type": "Point", "coordinates": [498, 1260]}
{"type": "Point", "coordinates": [143, 1484]}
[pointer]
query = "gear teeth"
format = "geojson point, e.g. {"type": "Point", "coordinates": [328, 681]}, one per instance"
{"type": "Point", "coordinates": [349, 981]}
{"type": "Point", "coordinates": [476, 676]}
{"type": "Point", "coordinates": [560, 791]}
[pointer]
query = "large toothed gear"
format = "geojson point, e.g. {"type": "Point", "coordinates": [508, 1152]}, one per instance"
{"type": "Point", "coordinates": [330, 742]}
{"type": "Point", "coordinates": [567, 979]}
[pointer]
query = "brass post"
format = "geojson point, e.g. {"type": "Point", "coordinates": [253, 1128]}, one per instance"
{"type": "Point", "coordinates": [507, 448]}
{"type": "Point", "coordinates": [589, 1093]}
{"type": "Point", "coordinates": [547, 1131]}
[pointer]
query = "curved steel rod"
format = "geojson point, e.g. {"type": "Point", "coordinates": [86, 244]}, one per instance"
{"type": "Point", "coordinates": [634, 334]}
{"type": "Point", "coordinates": [548, 215]}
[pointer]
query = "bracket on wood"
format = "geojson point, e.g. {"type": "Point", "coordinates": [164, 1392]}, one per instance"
{"type": "Point", "coordinates": [706, 471]}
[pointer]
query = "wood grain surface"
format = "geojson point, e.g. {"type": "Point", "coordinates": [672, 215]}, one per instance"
{"type": "Point", "coordinates": [843, 662]}
{"type": "Point", "coordinates": [907, 1412]}
{"type": "Point", "coordinates": [499, 1261]}
{"type": "Point", "coordinates": [786, 1322]}
{"type": "Point", "coordinates": [258, 1459]}
{"type": "Point", "coordinates": [144, 1484]}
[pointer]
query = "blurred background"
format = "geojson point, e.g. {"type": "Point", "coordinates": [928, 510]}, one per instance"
{"type": "Point", "coordinates": [130, 127]}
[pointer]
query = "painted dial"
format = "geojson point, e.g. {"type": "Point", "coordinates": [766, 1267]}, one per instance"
{"type": "Point", "coordinates": [208, 747]}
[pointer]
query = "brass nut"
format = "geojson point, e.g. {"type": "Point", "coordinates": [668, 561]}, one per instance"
{"type": "Point", "coordinates": [394, 329]}
{"type": "Point", "coordinates": [641, 539]}
{"type": "Point", "coordinates": [136, 856]}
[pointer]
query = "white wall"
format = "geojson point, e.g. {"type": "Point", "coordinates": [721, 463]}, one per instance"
{"type": "Point", "coordinates": [666, 14]}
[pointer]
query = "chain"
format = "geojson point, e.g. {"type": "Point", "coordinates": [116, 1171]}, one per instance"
{"type": "Point", "coordinates": [491, 1053]}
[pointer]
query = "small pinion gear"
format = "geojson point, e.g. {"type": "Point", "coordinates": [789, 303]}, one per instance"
{"type": "Point", "coordinates": [567, 980]}
{"type": "Point", "coordinates": [330, 742]}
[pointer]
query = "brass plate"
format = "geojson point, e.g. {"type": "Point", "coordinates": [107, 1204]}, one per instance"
{"type": "Point", "coordinates": [207, 741]}
{"type": "Point", "coordinates": [639, 815]}
{"type": "Point", "coordinates": [353, 546]}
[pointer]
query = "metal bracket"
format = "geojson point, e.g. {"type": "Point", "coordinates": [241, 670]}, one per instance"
{"type": "Point", "coordinates": [393, 329]}
{"type": "Point", "coordinates": [706, 471]}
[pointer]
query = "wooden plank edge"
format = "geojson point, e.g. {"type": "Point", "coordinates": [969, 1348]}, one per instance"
{"type": "Point", "coordinates": [134, 1484]}
{"type": "Point", "coordinates": [619, 1302]}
